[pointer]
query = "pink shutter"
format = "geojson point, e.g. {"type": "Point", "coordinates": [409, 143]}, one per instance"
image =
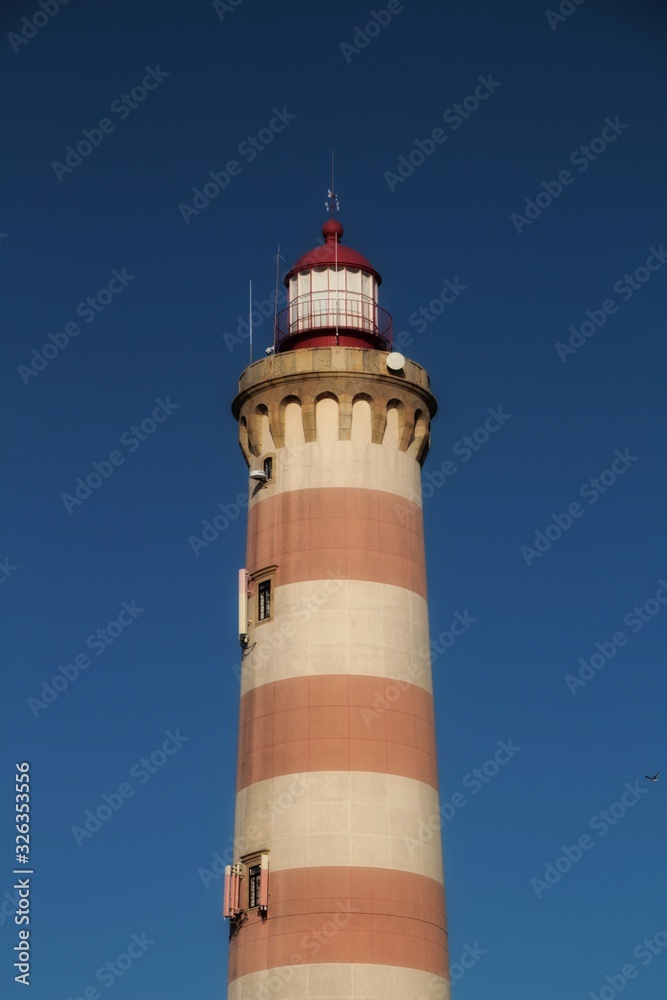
{"type": "Point", "coordinates": [232, 900]}
{"type": "Point", "coordinates": [226, 909]}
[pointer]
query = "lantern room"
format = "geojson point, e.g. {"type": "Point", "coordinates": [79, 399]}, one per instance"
{"type": "Point", "coordinates": [332, 296]}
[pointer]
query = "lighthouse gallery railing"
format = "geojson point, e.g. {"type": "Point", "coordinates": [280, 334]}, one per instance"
{"type": "Point", "coordinates": [326, 310]}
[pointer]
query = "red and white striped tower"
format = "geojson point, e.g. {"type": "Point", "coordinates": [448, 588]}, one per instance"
{"type": "Point", "coordinates": [338, 887]}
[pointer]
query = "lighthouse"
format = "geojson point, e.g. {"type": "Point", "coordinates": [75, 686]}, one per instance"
{"type": "Point", "coordinates": [336, 890]}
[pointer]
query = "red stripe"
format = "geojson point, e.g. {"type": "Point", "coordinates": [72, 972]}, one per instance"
{"type": "Point", "coordinates": [366, 915]}
{"type": "Point", "coordinates": [353, 534]}
{"type": "Point", "coordinates": [336, 723]}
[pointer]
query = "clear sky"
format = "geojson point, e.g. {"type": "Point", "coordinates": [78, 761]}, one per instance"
{"type": "Point", "coordinates": [541, 200]}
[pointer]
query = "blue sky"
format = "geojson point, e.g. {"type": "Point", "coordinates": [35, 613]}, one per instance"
{"type": "Point", "coordinates": [150, 353]}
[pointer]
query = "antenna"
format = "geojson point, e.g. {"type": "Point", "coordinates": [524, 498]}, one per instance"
{"type": "Point", "coordinates": [335, 206]}
{"type": "Point", "coordinates": [279, 257]}
{"type": "Point", "coordinates": [243, 608]}
{"type": "Point", "coordinates": [250, 315]}
{"type": "Point", "coordinates": [331, 204]}
{"type": "Point", "coordinates": [337, 286]}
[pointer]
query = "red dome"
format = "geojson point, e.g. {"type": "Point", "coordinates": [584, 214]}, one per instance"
{"type": "Point", "coordinates": [331, 252]}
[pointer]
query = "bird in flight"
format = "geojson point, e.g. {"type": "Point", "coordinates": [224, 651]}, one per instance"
{"type": "Point", "coordinates": [654, 778]}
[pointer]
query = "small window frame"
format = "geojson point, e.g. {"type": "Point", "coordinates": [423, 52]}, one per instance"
{"type": "Point", "coordinates": [254, 884]}
{"type": "Point", "coordinates": [259, 579]}
{"type": "Point", "coordinates": [264, 600]}
{"type": "Point", "coordinates": [256, 891]}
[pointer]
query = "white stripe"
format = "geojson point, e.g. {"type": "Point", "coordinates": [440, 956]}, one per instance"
{"type": "Point", "coordinates": [340, 981]}
{"type": "Point", "coordinates": [341, 627]}
{"type": "Point", "coordinates": [342, 818]}
{"type": "Point", "coordinates": [342, 463]}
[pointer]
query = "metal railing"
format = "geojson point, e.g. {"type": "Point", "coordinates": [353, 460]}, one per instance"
{"type": "Point", "coordinates": [330, 310]}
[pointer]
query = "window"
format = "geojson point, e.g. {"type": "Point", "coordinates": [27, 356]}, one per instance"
{"type": "Point", "coordinates": [264, 600]}
{"type": "Point", "coordinates": [257, 875]}
{"type": "Point", "coordinates": [254, 879]}
{"type": "Point", "coordinates": [268, 468]}
{"type": "Point", "coordinates": [261, 607]}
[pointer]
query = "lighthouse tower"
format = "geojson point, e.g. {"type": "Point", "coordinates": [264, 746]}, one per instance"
{"type": "Point", "coordinates": [337, 886]}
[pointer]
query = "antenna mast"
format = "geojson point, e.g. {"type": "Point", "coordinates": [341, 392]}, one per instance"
{"type": "Point", "coordinates": [279, 257]}
{"type": "Point", "coordinates": [250, 315]}
{"type": "Point", "coordinates": [333, 206]}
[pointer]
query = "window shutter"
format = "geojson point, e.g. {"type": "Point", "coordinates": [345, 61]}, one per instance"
{"type": "Point", "coordinates": [232, 892]}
